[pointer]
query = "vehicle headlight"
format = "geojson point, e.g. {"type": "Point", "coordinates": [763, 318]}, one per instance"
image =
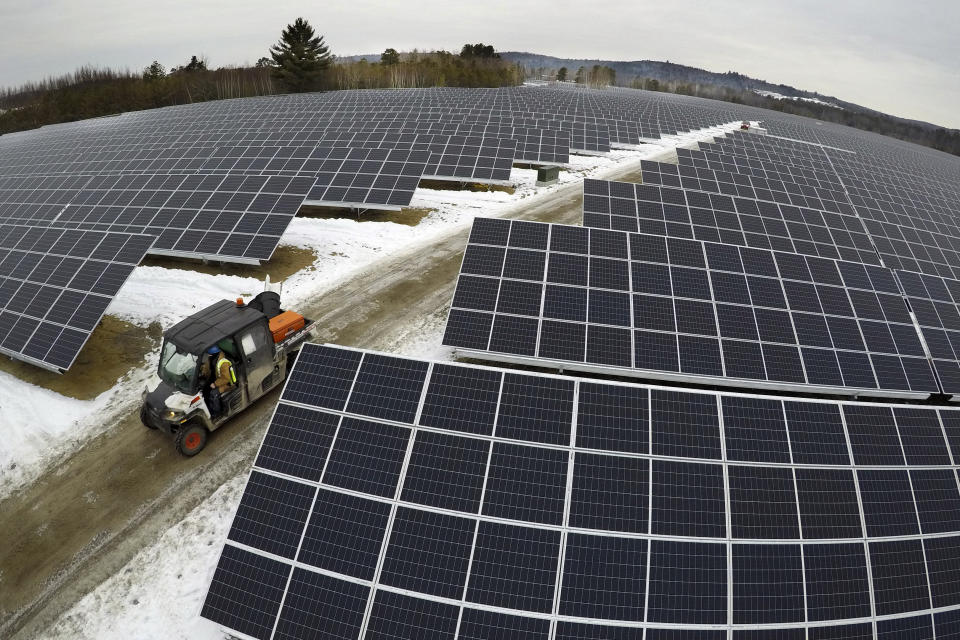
{"type": "Point", "coordinates": [171, 415]}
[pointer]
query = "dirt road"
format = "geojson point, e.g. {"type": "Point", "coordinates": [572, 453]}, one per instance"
{"type": "Point", "coordinates": [84, 520]}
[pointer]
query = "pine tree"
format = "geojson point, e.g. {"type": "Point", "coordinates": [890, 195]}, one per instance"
{"type": "Point", "coordinates": [389, 56]}
{"type": "Point", "coordinates": [300, 58]}
{"type": "Point", "coordinates": [154, 72]}
{"type": "Point", "coordinates": [562, 74]}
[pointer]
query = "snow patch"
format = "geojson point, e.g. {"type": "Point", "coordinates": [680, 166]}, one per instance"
{"type": "Point", "coordinates": [780, 96]}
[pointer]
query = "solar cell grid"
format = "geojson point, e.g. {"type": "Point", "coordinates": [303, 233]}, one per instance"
{"type": "Point", "coordinates": [245, 592]}
{"type": "Point", "coordinates": [428, 553]}
{"type": "Point", "coordinates": [763, 503]}
{"type": "Point", "coordinates": [828, 503]}
{"type": "Point", "coordinates": [899, 576]}
{"type": "Point", "coordinates": [604, 578]}
{"type": "Point", "coordinates": [446, 471]}
{"type": "Point", "coordinates": [610, 493]}
{"type": "Point", "coordinates": [767, 584]}
{"type": "Point", "coordinates": [272, 514]}
{"type": "Point", "coordinates": [586, 554]}
{"type": "Point", "coordinates": [526, 483]}
{"type": "Point", "coordinates": [688, 582]}
{"type": "Point", "coordinates": [344, 606]}
{"type": "Point", "coordinates": [344, 534]}
{"type": "Point", "coordinates": [395, 616]}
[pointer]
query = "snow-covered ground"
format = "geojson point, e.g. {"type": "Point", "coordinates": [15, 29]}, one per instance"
{"type": "Point", "coordinates": [158, 594]}
{"type": "Point", "coordinates": [780, 96]}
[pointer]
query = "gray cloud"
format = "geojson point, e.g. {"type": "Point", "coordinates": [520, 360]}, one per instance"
{"type": "Point", "coordinates": [889, 55]}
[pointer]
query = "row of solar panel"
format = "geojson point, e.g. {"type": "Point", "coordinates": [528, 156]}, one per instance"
{"type": "Point", "coordinates": [907, 236]}
{"type": "Point", "coordinates": [539, 409]}
{"type": "Point", "coordinates": [263, 598]}
{"type": "Point", "coordinates": [719, 218]}
{"type": "Point", "coordinates": [603, 577]}
{"type": "Point", "coordinates": [692, 177]}
{"type": "Point", "coordinates": [534, 144]}
{"type": "Point", "coordinates": [667, 305]}
{"type": "Point", "coordinates": [55, 285]}
{"type": "Point", "coordinates": [611, 493]}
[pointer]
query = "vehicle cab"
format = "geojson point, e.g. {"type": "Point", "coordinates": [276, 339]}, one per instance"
{"type": "Point", "coordinates": [180, 402]}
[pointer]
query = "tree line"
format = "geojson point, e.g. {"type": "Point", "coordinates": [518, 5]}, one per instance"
{"type": "Point", "coordinates": [299, 61]}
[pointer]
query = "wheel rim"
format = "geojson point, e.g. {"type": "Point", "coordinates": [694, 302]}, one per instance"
{"type": "Point", "coordinates": [192, 441]}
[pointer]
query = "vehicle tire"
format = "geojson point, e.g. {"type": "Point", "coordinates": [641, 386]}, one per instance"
{"type": "Point", "coordinates": [291, 359]}
{"type": "Point", "coordinates": [143, 418]}
{"type": "Point", "coordinates": [191, 439]}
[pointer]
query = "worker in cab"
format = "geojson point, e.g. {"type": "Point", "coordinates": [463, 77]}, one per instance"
{"type": "Point", "coordinates": [225, 381]}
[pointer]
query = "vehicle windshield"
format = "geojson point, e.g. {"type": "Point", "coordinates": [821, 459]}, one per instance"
{"type": "Point", "coordinates": [178, 368]}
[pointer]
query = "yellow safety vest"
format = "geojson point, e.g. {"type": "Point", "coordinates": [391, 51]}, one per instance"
{"type": "Point", "coordinates": [220, 361]}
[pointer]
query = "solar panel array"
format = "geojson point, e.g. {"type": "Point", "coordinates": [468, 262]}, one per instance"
{"type": "Point", "coordinates": [641, 304]}
{"type": "Point", "coordinates": [53, 170]}
{"type": "Point", "coordinates": [222, 180]}
{"type": "Point", "coordinates": [396, 498]}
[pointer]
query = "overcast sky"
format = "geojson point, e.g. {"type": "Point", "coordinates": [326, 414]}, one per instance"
{"type": "Point", "coordinates": [895, 56]}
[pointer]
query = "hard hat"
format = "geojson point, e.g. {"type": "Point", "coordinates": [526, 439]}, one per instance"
{"type": "Point", "coordinates": [214, 350]}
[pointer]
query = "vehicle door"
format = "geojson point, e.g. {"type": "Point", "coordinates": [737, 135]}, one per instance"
{"type": "Point", "coordinates": [256, 350]}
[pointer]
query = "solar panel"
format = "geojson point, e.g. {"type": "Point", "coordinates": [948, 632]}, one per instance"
{"type": "Point", "coordinates": [732, 220]}
{"type": "Point", "coordinates": [694, 173]}
{"type": "Point", "coordinates": [639, 304]}
{"type": "Point", "coordinates": [56, 284]}
{"type": "Point", "coordinates": [367, 178]}
{"type": "Point", "coordinates": [236, 217]}
{"type": "Point", "coordinates": [471, 158]}
{"type": "Point", "coordinates": [477, 158]}
{"type": "Point", "coordinates": [494, 527]}
{"type": "Point", "coordinates": [537, 146]}
{"type": "Point", "coordinates": [936, 311]}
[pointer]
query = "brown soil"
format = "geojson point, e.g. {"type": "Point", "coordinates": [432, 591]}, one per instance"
{"type": "Point", "coordinates": [411, 216]}
{"type": "Point", "coordinates": [285, 262]}
{"type": "Point", "coordinates": [449, 185]}
{"type": "Point", "coordinates": [115, 347]}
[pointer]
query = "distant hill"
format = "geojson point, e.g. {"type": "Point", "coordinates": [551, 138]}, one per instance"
{"type": "Point", "coordinates": [671, 72]}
